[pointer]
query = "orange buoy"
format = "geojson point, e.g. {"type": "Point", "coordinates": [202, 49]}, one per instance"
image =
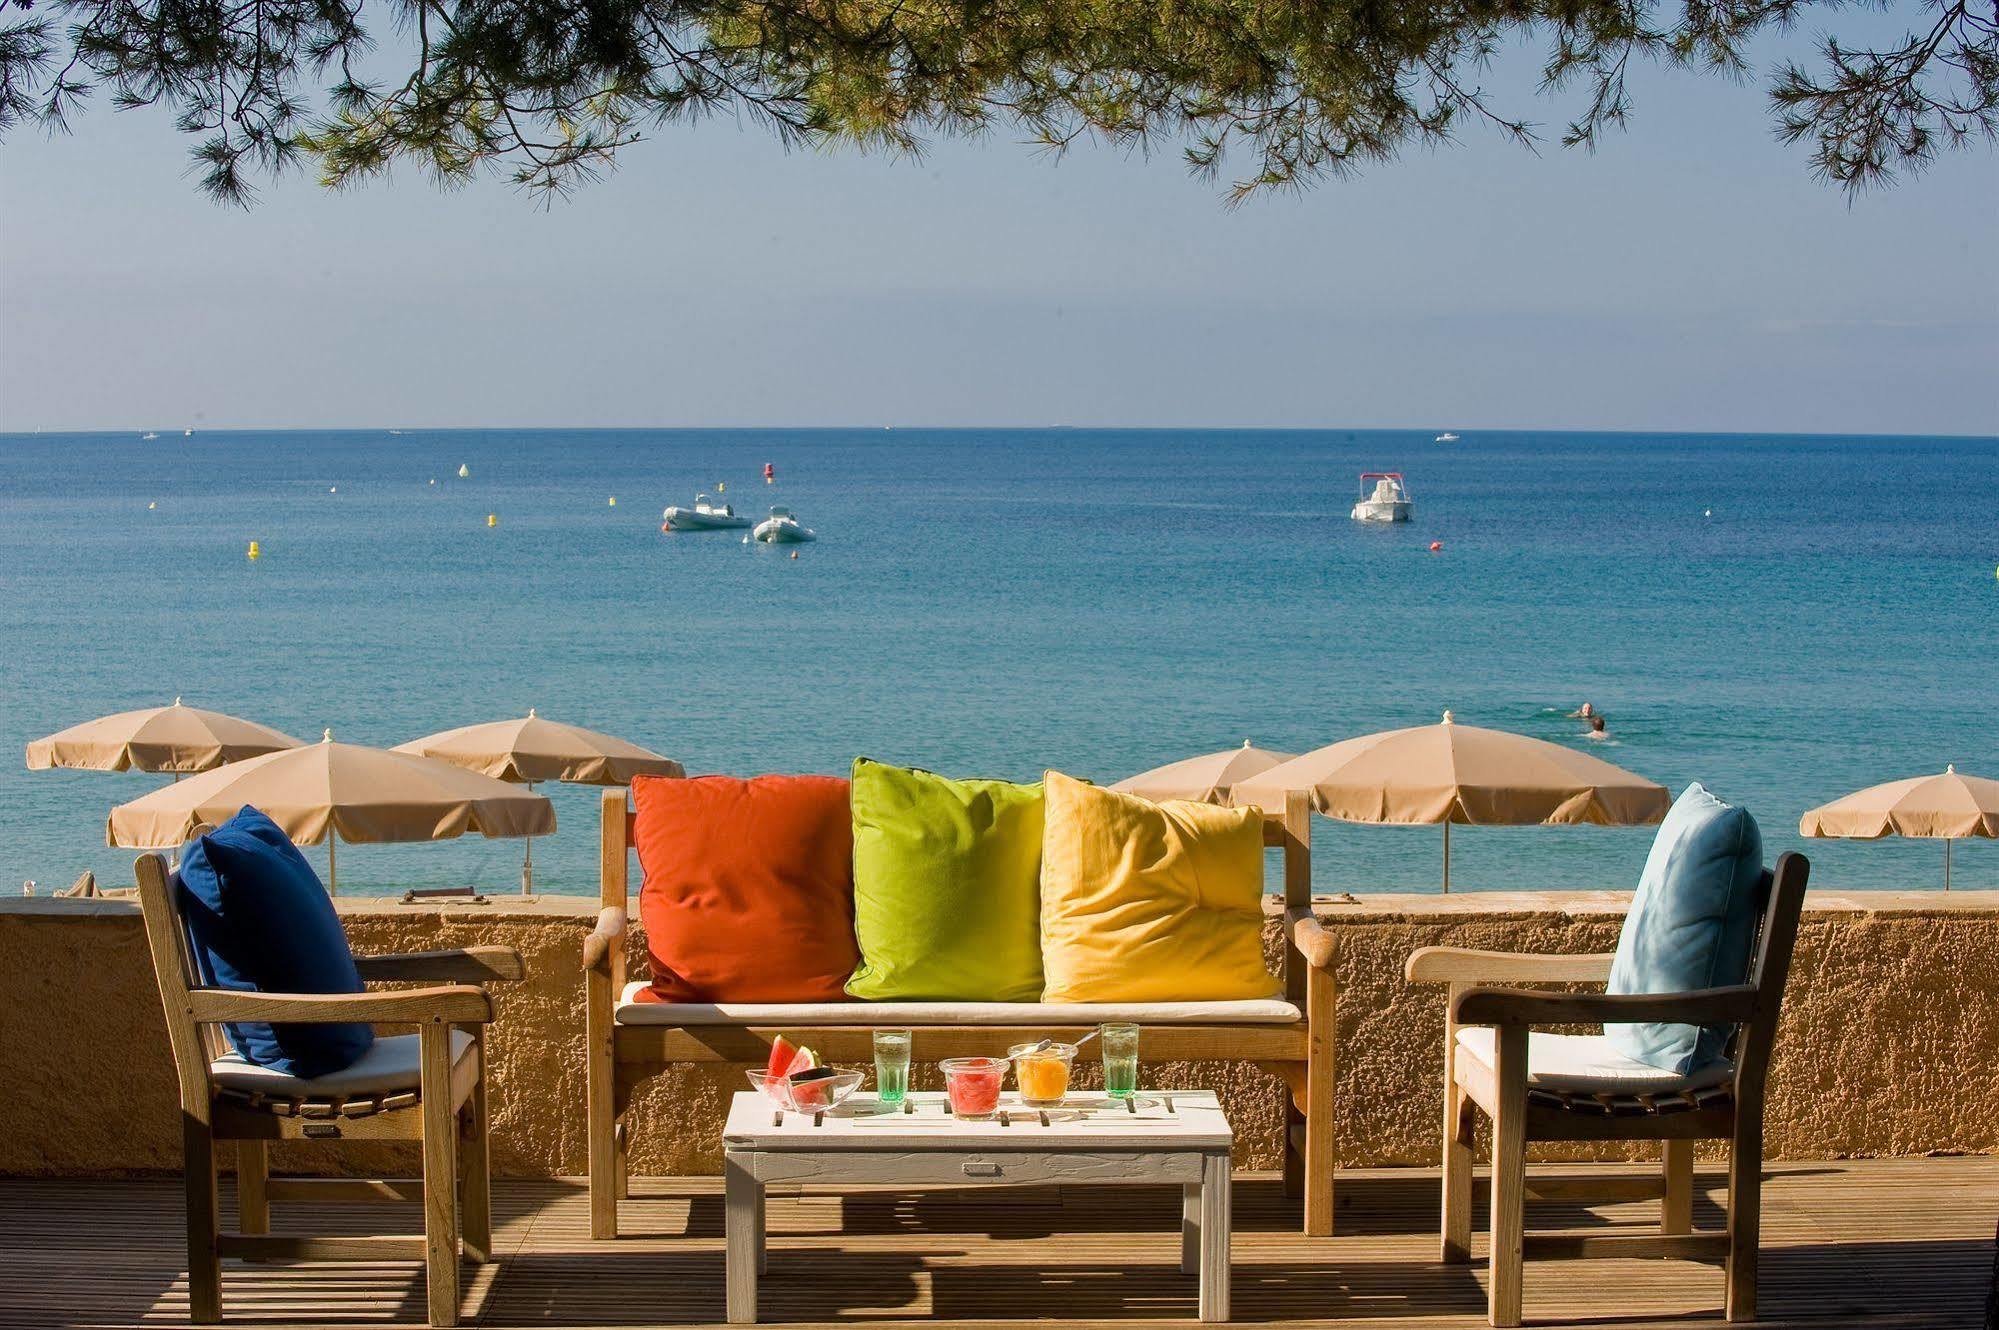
{"type": "Point", "coordinates": [770, 474]}
{"type": "Point", "coordinates": [1436, 547]}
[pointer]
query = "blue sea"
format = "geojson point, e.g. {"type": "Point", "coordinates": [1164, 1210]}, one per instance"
{"type": "Point", "coordinates": [1783, 618]}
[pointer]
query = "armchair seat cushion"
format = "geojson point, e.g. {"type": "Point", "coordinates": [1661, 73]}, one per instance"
{"type": "Point", "coordinates": [392, 1065]}
{"type": "Point", "coordinates": [634, 1009]}
{"type": "Point", "coordinates": [1576, 1064]}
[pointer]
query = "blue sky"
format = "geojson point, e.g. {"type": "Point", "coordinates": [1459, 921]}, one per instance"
{"type": "Point", "coordinates": [1689, 276]}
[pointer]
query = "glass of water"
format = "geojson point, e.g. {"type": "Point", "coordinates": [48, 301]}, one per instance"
{"type": "Point", "coordinates": [891, 1066]}
{"type": "Point", "coordinates": [1120, 1060]}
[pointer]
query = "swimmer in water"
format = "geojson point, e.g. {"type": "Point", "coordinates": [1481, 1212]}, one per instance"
{"type": "Point", "coordinates": [1597, 728]}
{"type": "Point", "coordinates": [1583, 712]}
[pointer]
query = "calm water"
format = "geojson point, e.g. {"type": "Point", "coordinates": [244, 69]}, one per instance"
{"type": "Point", "coordinates": [996, 602]}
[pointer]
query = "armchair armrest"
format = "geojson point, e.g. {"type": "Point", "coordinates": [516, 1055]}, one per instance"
{"type": "Point", "coordinates": [609, 932]}
{"type": "Point", "coordinates": [1536, 1006]}
{"type": "Point", "coordinates": [454, 1003]}
{"type": "Point", "coordinates": [468, 965]}
{"type": "Point", "coordinates": [1314, 941]}
{"type": "Point", "coordinates": [1465, 965]}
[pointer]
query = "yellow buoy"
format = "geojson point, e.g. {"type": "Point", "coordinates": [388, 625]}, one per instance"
{"type": "Point", "coordinates": [255, 553]}
{"type": "Point", "coordinates": [492, 519]}
{"type": "Point", "coordinates": [721, 487]}
{"type": "Point", "coordinates": [614, 501]}
{"type": "Point", "coordinates": [151, 506]}
{"type": "Point", "coordinates": [464, 471]}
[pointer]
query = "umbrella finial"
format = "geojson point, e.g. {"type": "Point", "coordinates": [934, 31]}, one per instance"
{"type": "Point", "coordinates": [1447, 718]}
{"type": "Point", "coordinates": [1245, 743]}
{"type": "Point", "coordinates": [1950, 768]}
{"type": "Point", "coordinates": [176, 699]}
{"type": "Point", "coordinates": [326, 736]}
{"type": "Point", "coordinates": [530, 713]}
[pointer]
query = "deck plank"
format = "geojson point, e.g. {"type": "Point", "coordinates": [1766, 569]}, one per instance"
{"type": "Point", "coordinates": [1874, 1245]}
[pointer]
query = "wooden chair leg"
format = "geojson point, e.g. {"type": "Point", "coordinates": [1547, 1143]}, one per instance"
{"type": "Point", "coordinates": [601, 1130]}
{"type": "Point", "coordinates": [440, 1176]}
{"type": "Point", "coordinates": [621, 1141]}
{"type": "Point", "coordinates": [1458, 1165]}
{"type": "Point", "coordinates": [475, 1167]}
{"type": "Point", "coordinates": [253, 1196]}
{"type": "Point", "coordinates": [204, 1256]}
{"type": "Point", "coordinates": [1319, 1134]}
{"type": "Point", "coordinates": [1745, 1219]}
{"type": "Point", "coordinates": [1676, 1214]}
{"type": "Point", "coordinates": [1294, 1156]}
{"type": "Point", "coordinates": [1509, 1176]}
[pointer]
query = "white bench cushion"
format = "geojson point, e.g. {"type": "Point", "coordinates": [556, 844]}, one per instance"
{"type": "Point", "coordinates": [1260, 1011]}
{"type": "Point", "coordinates": [389, 1066]}
{"type": "Point", "coordinates": [1578, 1064]}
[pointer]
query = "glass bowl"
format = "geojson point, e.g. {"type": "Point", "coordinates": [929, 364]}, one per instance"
{"type": "Point", "coordinates": [817, 1095]}
{"type": "Point", "coordinates": [1043, 1078]}
{"type": "Point", "coordinates": [973, 1086]}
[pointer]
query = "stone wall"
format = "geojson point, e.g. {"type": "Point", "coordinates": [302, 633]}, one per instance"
{"type": "Point", "coordinates": [1889, 1045]}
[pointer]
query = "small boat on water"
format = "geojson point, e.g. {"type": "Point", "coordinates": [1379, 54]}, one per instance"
{"type": "Point", "coordinates": [781, 528]}
{"type": "Point", "coordinates": [149, 434]}
{"type": "Point", "coordinates": [1446, 437]}
{"type": "Point", "coordinates": [1387, 501]}
{"type": "Point", "coordinates": [705, 515]}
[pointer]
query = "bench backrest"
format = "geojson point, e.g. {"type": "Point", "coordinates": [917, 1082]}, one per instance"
{"type": "Point", "coordinates": [1289, 830]}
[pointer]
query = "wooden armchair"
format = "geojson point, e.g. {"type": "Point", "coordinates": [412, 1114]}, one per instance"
{"type": "Point", "coordinates": [429, 1087]}
{"type": "Point", "coordinates": [1548, 1087]}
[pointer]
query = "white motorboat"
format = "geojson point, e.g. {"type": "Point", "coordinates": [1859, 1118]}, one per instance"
{"type": "Point", "coordinates": [1387, 501]}
{"type": "Point", "coordinates": [1446, 437]}
{"type": "Point", "coordinates": [149, 434]}
{"type": "Point", "coordinates": [781, 528]}
{"type": "Point", "coordinates": [705, 515]}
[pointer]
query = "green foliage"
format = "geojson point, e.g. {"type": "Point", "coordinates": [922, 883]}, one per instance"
{"type": "Point", "coordinates": [1277, 93]}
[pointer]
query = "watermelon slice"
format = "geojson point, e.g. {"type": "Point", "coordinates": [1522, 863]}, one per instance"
{"type": "Point", "coordinates": [788, 1059]}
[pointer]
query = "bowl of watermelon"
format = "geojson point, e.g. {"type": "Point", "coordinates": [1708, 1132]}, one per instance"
{"type": "Point", "coordinates": [795, 1080]}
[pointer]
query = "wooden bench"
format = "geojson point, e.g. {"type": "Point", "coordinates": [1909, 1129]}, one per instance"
{"type": "Point", "coordinates": [626, 1042]}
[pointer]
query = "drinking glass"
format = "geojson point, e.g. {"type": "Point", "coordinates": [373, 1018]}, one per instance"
{"type": "Point", "coordinates": [891, 1066]}
{"type": "Point", "coordinates": [1120, 1060]}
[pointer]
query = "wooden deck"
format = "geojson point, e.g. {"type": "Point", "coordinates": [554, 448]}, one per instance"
{"type": "Point", "coordinates": [1893, 1243]}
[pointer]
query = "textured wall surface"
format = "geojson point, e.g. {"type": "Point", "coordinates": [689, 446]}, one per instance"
{"type": "Point", "coordinates": [1890, 1041]}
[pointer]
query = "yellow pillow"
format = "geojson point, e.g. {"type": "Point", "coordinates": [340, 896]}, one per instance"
{"type": "Point", "coordinates": [1149, 902]}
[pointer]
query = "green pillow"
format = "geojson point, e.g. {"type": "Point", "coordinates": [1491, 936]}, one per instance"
{"type": "Point", "coordinates": [947, 887]}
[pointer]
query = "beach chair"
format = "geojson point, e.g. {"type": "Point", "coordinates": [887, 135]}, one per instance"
{"type": "Point", "coordinates": [1537, 1087]}
{"type": "Point", "coordinates": [428, 1087]}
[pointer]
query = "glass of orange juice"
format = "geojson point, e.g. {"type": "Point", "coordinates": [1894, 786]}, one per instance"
{"type": "Point", "coordinates": [1043, 1075]}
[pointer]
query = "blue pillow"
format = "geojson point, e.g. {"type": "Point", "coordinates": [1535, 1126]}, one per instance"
{"type": "Point", "coordinates": [1692, 925]}
{"type": "Point", "coordinates": [262, 923]}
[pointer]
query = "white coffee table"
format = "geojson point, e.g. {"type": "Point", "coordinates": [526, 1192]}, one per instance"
{"type": "Point", "coordinates": [1174, 1137]}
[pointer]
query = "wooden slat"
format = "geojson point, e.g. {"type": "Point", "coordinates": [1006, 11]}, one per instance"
{"type": "Point", "coordinates": [644, 1046]}
{"type": "Point", "coordinates": [346, 1189]}
{"type": "Point", "coordinates": [1586, 1243]}
{"type": "Point", "coordinates": [1848, 1245]}
{"type": "Point", "coordinates": [264, 1247]}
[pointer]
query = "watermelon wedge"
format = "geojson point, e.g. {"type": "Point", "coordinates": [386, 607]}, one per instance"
{"type": "Point", "coordinates": [788, 1059]}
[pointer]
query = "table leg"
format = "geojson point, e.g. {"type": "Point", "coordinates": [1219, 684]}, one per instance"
{"type": "Point", "coordinates": [1190, 1228]}
{"type": "Point", "coordinates": [743, 1226]}
{"type": "Point", "coordinates": [1215, 1237]}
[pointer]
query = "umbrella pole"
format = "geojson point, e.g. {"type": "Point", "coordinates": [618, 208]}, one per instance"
{"type": "Point", "coordinates": [1447, 856]}
{"type": "Point", "coordinates": [332, 871]}
{"type": "Point", "coordinates": [527, 859]}
{"type": "Point", "coordinates": [1946, 863]}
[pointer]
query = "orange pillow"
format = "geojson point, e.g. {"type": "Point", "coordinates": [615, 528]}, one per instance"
{"type": "Point", "coordinates": [748, 893]}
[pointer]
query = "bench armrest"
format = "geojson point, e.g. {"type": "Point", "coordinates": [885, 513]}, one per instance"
{"type": "Point", "coordinates": [1464, 965]}
{"type": "Point", "coordinates": [609, 933]}
{"type": "Point", "coordinates": [1313, 940]}
{"type": "Point", "coordinates": [1536, 1007]}
{"type": "Point", "coordinates": [456, 1003]}
{"type": "Point", "coordinates": [468, 965]}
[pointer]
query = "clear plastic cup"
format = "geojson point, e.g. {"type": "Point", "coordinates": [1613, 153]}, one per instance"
{"type": "Point", "coordinates": [973, 1086]}
{"type": "Point", "coordinates": [1043, 1077]}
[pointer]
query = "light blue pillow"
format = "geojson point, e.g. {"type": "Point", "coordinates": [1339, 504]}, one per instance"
{"type": "Point", "coordinates": [1692, 925]}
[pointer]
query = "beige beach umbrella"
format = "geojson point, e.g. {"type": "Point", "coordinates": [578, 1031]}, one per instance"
{"type": "Point", "coordinates": [1447, 773]}
{"type": "Point", "coordinates": [174, 739]}
{"type": "Point", "coordinates": [1948, 807]}
{"type": "Point", "coordinates": [532, 750]}
{"type": "Point", "coordinates": [326, 790]}
{"type": "Point", "coordinates": [1204, 779]}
